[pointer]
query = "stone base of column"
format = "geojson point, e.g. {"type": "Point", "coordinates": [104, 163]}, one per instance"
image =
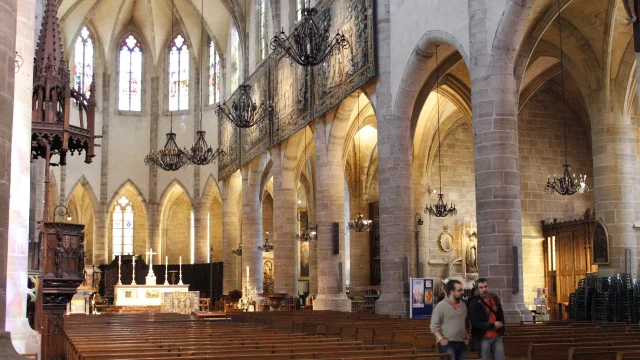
{"type": "Point", "coordinates": [7, 351]}
{"type": "Point", "coordinates": [520, 313]}
{"type": "Point", "coordinates": [25, 340]}
{"type": "Point", "coordinates": [332, 302]}
{"type": "Point", "coordinates": [393, 304]}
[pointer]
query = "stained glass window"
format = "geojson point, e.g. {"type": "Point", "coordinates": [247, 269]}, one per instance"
{"type": "Point", "coordinates": [261, 7]}
{"type": "Point", "coordinates": [83, 62]}
{"type": "Point", "coordinates": [299, 5]}
{"type": "Point", "coordinates": [179, 74]}
{"type": "Point", "coordinates": [235, 59]}
{"type": "Point", "coordinates": [122, 230]}
{"type": "Point", "coordinates": [130, 75]}
{"type": "Point", "coordinates": [215, 72]}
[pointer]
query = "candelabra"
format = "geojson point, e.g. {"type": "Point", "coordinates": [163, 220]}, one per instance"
{"type": "Point", "coordinates": [166, 271]}
{"type": "Point", "coordinates": [133, 282]}
{"type": "Point", "coordinates": [119, 272]}
{"type": "Point", "coordinates": [180, 282]}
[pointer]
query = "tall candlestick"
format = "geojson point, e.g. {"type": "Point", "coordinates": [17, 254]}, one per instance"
{"type": "Point", "coordinates": [180, 282]}
{"type": "Point", "coordinates": [119, 272]}
{"type": "Point", "coordinates": [133, 282]}
{"type": "Point", "coordinates": [166, 270]}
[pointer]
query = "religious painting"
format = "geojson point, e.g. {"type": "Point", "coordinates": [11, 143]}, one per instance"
{"type": "Point", "coordinates": [181, 302]}
{"type": "Point", "coordinates": [303, 260]}
{"type": "Point", "coordinates": [257, 139]}
{"type": "Point", "coordinates": [291, 98]}
{"type": "Point", "coordinates": [229, 136]}
{"type": "Point", "coordinates": [600, 246]}
{"type": "Point", "coordinates": [267, 276]}
{"type": "Point", "coordinates": [348, 70]}
{"type": "Point", "coordinates": [418, 297]}
{"type": "Point", "coordinates": [446, 240]}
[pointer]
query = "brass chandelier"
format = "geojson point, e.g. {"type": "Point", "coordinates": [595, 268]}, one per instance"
{"type": "Point", "coordinates": [267, 246]}
{"type": "Point", "coordinates": [440, 209]}
{"type": "Point", "coordinates": [360, 224]}
{"type": "Point", "coordinates": [201, 153]}
{"type": "Point", "coordinates": [567, 184]}
{"type": "Point", "coordinates": [308, 45]}
{"type": "Point", "coordinates": [244, 112]}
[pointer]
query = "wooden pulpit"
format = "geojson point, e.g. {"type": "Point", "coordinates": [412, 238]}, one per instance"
{"type": "Point", "coordinates": [61, 272]}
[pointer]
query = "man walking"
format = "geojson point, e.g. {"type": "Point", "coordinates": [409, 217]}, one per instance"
{"type": "Point", "coordinates": [448, 323]}
{"type": "Point", "coordinates": [487, 321]}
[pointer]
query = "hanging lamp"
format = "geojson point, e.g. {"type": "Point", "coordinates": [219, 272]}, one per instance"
{"type": "Point", "coordinates": [267, 246]}
{"type": "Point", "coordinates": [440, 209]}
{"type": "Point", "coordinates": [201, 153]}
{"type": "Point", "coordinates": [171, 157]}
{"type": "Point", "coordinates": [237, 251]}
{"type": "Point", "coordinates": [360, 224]}
{"type": "Point", "coordinates": [566, 184]}
{"type": "Point", "coordinates": [308, 45]}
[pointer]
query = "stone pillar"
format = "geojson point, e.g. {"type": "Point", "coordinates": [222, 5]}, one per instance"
{"type": "Point", "coordinates": [230, 192]}
{"type": "Point", "coordinates": [154, 239]}
{"type": "Point", "coordinates": [284, 216]}
{"type": "Point", "coordinates": [8, 17]}
{"type": "Point", "coordinates": [395, 185]}
{"type": "Point", "coordinates": [615, 171]}
{"type": "Point", "coordinates": [100, 241]}
{"type": "Point", "coordinates": [329, 211]}
{"type": "Point", "coordinates": [25, 339]}
{"type": "Point", "coordinates": [252, 234]}
{"type": "Point", "coordinates": [495, 126]}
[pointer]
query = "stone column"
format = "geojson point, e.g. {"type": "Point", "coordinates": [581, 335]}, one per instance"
{"type": "Point", "coordinates": [395, 185]}
{"type": "Point", "coordinates": [100, 241]}
{"type": "Point", "coordinates": [154, 237]}
{"type": "Point", "coordinates": [495, 126]}
{"type": "Point", "coordinates": [329, 211]}
{"type": "Point", "coordinates": [284, 216]}
{"type": "Point", "coordinates": [25, 339]}
{"type": "Point", "coordinates": [230, 192]}
{"type": "Point", "coordinates": [8, 36]}
{"type": "Point", "coordinates": [252, 234]}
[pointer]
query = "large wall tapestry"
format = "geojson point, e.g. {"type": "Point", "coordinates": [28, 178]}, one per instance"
{"type": "Point", "coordinates": [289, 86]}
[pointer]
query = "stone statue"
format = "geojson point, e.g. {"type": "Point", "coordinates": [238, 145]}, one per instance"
{"type": "Point", "coordinates": [472, 255]}
{"type": "Point", "coordinates": [58, 255]}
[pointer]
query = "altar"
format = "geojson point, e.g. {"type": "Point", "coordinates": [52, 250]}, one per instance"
{"type": "Point", "coordinates": [144, 295]}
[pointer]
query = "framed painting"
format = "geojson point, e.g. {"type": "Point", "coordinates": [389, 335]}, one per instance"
{"type": "Point", "coordinates": [600, 245]}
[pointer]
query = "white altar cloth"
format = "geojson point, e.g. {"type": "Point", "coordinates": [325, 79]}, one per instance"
{"type": "Point", "coordinates": [143, 295]}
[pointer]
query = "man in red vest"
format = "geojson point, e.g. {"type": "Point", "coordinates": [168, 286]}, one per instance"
{"type": "Point", "coordinates": [487, 321]}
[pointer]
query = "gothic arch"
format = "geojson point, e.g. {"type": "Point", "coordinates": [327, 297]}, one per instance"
{"type": "Point", "coordinates": [83, 206]}
{"type": "Point", "coordinates": [140, 211]}
{"type": "Point", "coordinates": [208, 239]}
{"type": "Point", "coordinates": [175, 213]}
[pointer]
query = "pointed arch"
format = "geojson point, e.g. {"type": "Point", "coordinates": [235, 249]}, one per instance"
{"type": "Point", "coordinates": [176, 215]}
{"type": "Point", "coordinates": [130, 191]}
{"type": "Point", "coordinates": [208, 242]}
{"type": "Point", "coordinates": [82, 206]}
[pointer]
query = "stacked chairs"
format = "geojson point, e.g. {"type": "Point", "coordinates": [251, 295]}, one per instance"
{"type": "Point", "coordinates": [582, 310]}
{"type": "Point", "coordinates": [627, 299]}
{"type": "Point", "coordinates": [600, 301]}
{"type": "Point", "coordinates": [572, 306]}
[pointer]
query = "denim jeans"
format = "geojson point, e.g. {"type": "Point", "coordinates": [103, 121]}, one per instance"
{"type": "Point", "coordinates": [493, 347]}
{"type": "Point", "coordinates": [457, 349]}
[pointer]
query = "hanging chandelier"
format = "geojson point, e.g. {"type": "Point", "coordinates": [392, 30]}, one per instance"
{"type": "Point", "coordinates": [441, 209]}
{"type": "Point", "coordinates": [238, 250]}
{"type": "Point", "coordinates": [360, 224]}
{"type": "Point", "coordinates": [244, 112]}
{"type": "Point", "coordinates": [567, 184]}
{"type": "Point", "coordinates": [201, 153]}
{"type": "Point", "coordinates": [267, 246]}
{"type": "Point", "coordinates": [171, 157]}
{"type": "Point", "coordinates": [308, 45]}
{"type": "Point", "coordinates": [309, 233]}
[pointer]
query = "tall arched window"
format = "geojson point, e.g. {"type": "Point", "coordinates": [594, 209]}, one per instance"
{"type": "Point", "coordinates": [122, 230]}
{"type": "Point", "coordinates": [299, 4]}
{"type": "Point", "coordinates": [179, 74]}
{"type": "Point", "coordinates": [235, 59]}
{"type": "Point", "coordinates": [83, 62]}
{"type": "Point", "coordinates": [130, 98]}
{"type": "Point", "coordinates": [261, 8]}
{"type": "Point", "coordinates": [215, 72]}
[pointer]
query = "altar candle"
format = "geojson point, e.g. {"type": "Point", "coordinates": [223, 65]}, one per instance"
{"type": "Point", "coordinates": [166, 260]}
{"type": "Point", "coordinates": [180, 259]}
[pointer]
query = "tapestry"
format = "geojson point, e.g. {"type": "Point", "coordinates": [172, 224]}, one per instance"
{"type": "Point", "coordinates": [257, 139]}
{"type": "Point", "coordinates": [302, 94]}
{"type": "Point", "coordinates": [292, 98]}
{"type": "Point", "coordinates": [181, 302]}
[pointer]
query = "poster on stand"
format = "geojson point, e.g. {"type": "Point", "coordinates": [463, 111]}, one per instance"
{"type": "Point", "coordinates": [421, 298]}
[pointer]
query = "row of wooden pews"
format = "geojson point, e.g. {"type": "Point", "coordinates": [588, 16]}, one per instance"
{"type": "Point", "coordinates": [173, 336]}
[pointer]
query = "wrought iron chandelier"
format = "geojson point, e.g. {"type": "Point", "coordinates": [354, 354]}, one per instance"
{"type": "Point", "coordinates": [171, 157]}
{"type": "Point", "coordinates": [244, 112]}
{"type": "Point", "coordinates": [201, 153]}
{"type": "Point", "coordinates": [309, 233]}
{"type": "Point", "coordinates": [567, 184]}
{"type": "Point", "coordinates": [238, 250]}
{"type": "Point", "coordinates": [441, 208]}
{"type": "Point", "coordinates": [308, 45]}
{"type": "Point", "coordinates": [360, 224]}
{"type": "Point", "coordinates": [267, 246]}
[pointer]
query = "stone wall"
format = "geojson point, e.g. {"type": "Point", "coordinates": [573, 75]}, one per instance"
{"type": "Point", "coordinates": [541, 147]}
{"type": "Point", "coordinates": [177, 230]}
{"type": "Point", "coordinates": [215, 230]}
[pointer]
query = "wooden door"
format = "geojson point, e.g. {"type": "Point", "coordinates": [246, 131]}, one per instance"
{"type": "Point", "coordinates": [565, 266]}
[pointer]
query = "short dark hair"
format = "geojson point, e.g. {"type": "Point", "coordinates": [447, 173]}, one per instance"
{"type": "Point", "coordinates": [451, 285]}
{"type": "Point", "coordinates": [480, 281]}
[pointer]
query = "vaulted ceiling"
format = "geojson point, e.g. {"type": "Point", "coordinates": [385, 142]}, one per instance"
{"type": "Point", "coordinates": [111, 20]}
